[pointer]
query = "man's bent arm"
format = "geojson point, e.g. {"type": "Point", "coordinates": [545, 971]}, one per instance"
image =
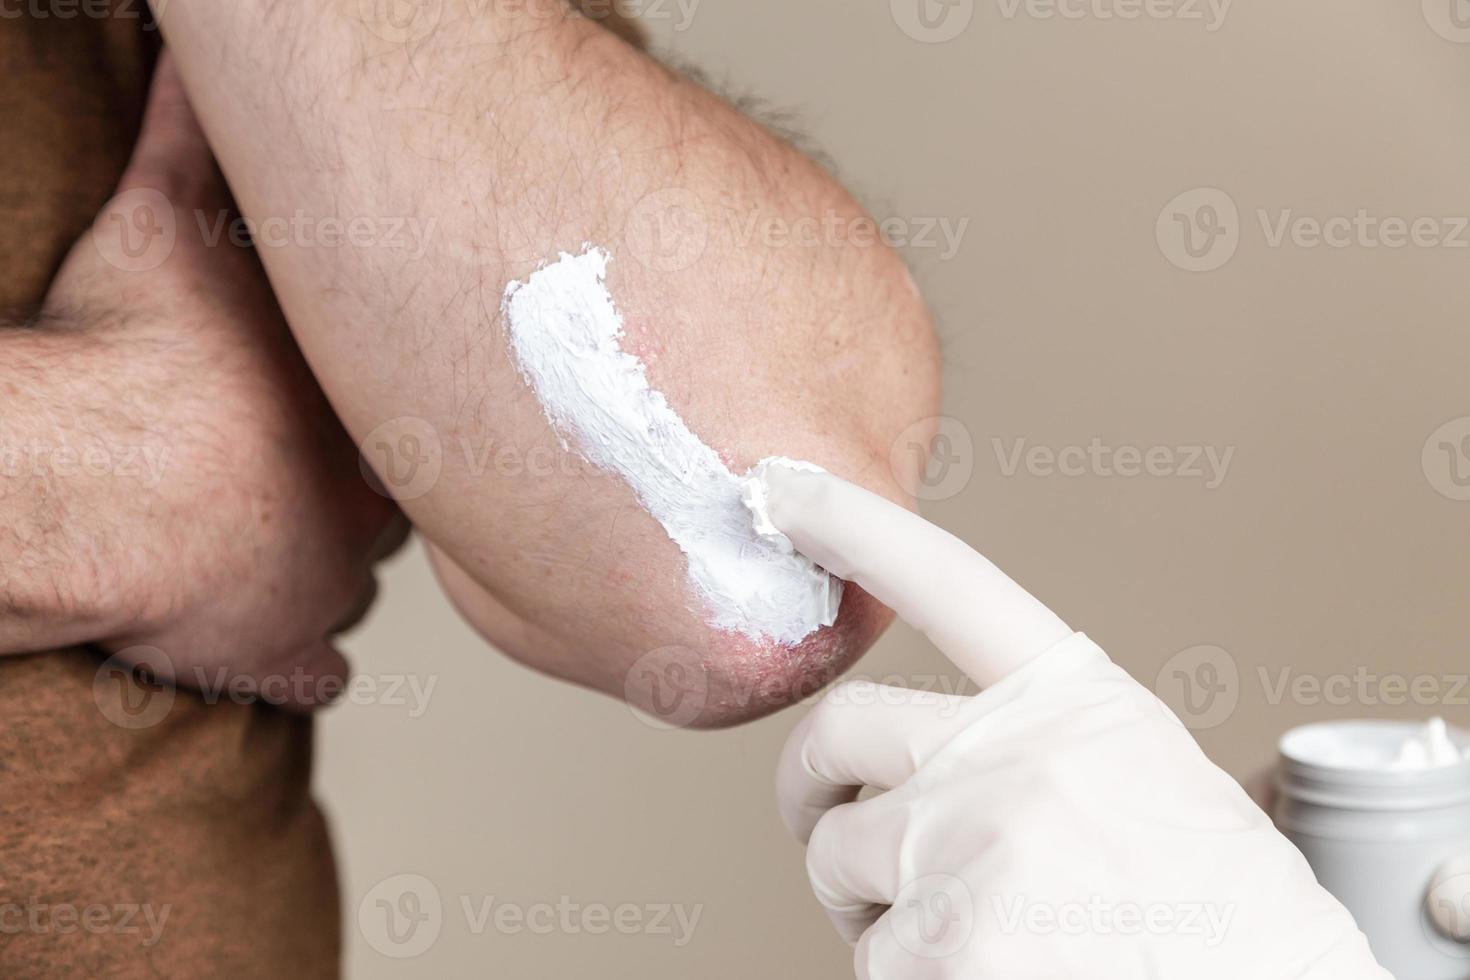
{"type": "Point", "coordinates": [400, 175]}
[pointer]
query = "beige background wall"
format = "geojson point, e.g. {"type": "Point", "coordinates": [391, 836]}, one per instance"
{"type": "Point", "coordinates": [1331, 557]}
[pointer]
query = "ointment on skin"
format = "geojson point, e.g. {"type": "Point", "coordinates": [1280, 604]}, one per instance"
{"type": "Point", "coordinates": [565, 334]}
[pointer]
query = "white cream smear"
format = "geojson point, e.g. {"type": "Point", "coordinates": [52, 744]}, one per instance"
{"type": "Point", "coordinates": [755, 494]}
{"type": "Point", "coordinates": [565, 334]}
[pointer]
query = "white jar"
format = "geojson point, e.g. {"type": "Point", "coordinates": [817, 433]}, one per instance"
{"type": "Point", "coordinates": [1392, 844]}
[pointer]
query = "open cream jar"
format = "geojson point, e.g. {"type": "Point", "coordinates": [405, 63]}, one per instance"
{"type": "Point", "coordinates": [1381, 809]}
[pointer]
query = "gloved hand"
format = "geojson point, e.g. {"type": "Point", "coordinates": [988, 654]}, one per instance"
{"type": "Point", "coordinates": [1061, 824]}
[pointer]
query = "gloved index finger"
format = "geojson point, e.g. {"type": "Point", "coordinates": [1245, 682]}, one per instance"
{"type": "Point", "coordinates": [971, 610]}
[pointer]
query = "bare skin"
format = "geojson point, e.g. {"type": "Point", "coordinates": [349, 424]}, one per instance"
{"type": "Point", "coordinates": [178, 489]}
{"type": "Point", "coordinates": [469, 151]}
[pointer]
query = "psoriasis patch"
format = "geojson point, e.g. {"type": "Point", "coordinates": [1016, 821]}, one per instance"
{"type": "Point", "coordinates": [565, 333]}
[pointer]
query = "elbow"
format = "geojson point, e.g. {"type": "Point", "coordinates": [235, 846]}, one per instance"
{"type": "Point", "coordinates": [865, 409]}
{"type": "Point", "coordinates": [740, 681]}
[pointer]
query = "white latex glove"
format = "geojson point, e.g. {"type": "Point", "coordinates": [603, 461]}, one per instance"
{"type": "Point", "coordinates": [1062, 825]}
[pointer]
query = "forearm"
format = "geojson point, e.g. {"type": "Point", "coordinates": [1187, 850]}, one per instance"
{"type": "Point", "coordinates": [69, 455]}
